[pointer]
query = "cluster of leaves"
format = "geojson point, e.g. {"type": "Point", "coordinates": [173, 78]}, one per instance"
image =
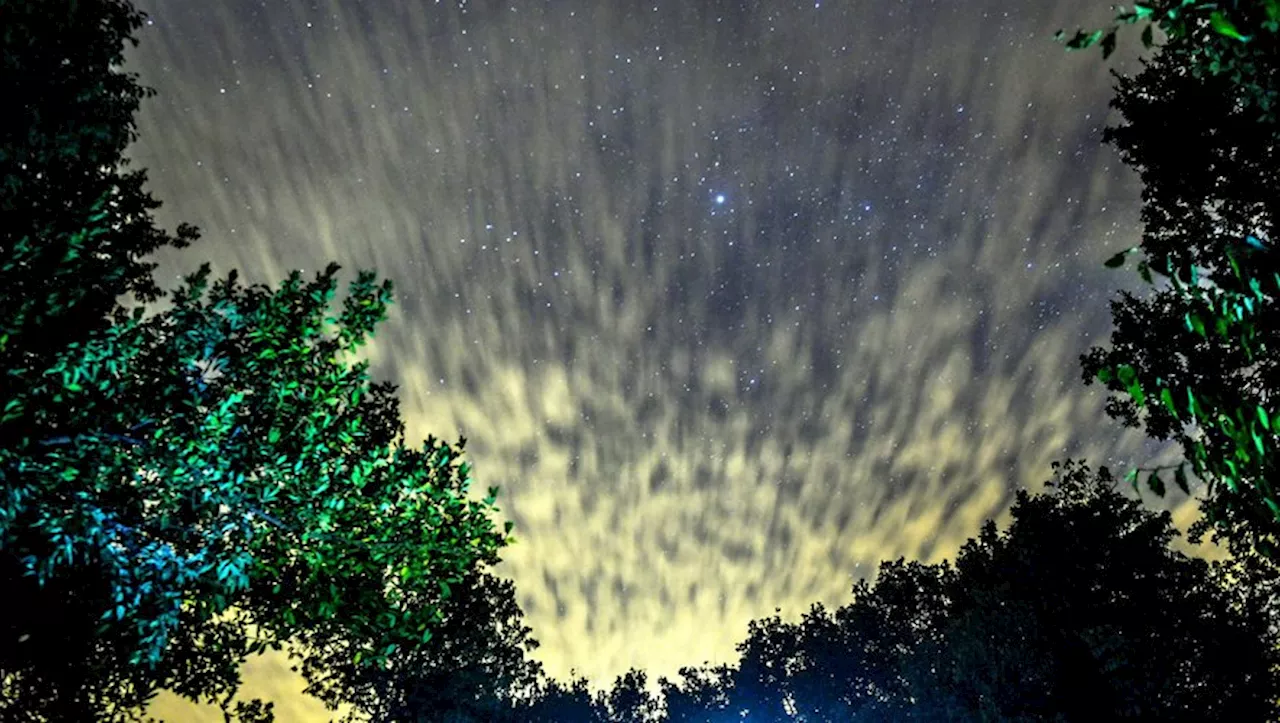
{"type": "Point", "coordinates": [475, 666]}
{"type": "Point", "coordinates": [1236, 39]}
{"type": "Point", "coordinates": [1194, 361]}
{"type": "Point", "coordinates": [1218, 381]}
{"type": "Point", "coordinates": [185, 489]}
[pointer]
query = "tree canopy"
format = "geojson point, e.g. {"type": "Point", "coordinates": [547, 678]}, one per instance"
{"type": "Point", "coordinates": [475, 667]}
{"type": "Point", "coordinates": [1193, 360]}
{"type": "Point", "coordinates": [1080, 610]}
{"type": "Point", "coordinates": [186, 486]}
{"type": "Point", "coordinates": [184, 489]}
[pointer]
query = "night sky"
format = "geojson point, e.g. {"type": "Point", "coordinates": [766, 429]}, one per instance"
{"type": "Point", "coordinates": [733, 300]}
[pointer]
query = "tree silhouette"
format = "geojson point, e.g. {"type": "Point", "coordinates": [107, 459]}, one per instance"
{"type": "Point", "coordinates": [76, 223]}
{"type": "Point", "coordinates": [474, 667]}
{"type": "Point", "coordinates": [183, 490]}
{"type": "Point", "coordinates": [554, 702]}
{"type": "Point", "coordinates": [701, 695]}
{"type": "Point", "coordinates": [1079, 611]}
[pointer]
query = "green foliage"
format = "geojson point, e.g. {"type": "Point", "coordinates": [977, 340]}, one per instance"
{"type": "Point", "coordinates": [258, 471]}
{"type": "Point", "coordinates": [1201, 343]}
{"type": "Point", "coordinates": [76, 225]}
{"type": "Point", "coordinates": [474, 667]}
{"type": "Point", "coordinates": [181, 491]}
{"type": "Point", "coordinates": [1236, 39]}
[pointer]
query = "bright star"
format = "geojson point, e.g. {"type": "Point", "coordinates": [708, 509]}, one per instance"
{"type": "Point", "coordinates": [720, 198]}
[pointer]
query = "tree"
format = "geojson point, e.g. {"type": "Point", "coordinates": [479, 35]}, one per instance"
{"type": "Point", "coordinates": [701, 695]}
{"type": "Point", "coordinates": [1193, 360]}
{"type": "Point", "coordinates": [186, 489]}
{"type": "Point", "coordinates": [554, 702]}
{"type": "Point", "coordinates": [1235, 39]}
{"type": "Point", "coordinates": [473, 669]}
{"type": "Point", "coordinates": [630, 702]}
{"type": "Point", "coordinates": [75, 223]}
{"type": "Point", "coordinates": [1079, 611]}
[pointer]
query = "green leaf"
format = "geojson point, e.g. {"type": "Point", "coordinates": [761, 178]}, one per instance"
{"type": "Point", "coordinates": [1180, 478]}
{"type": "Point", "coordinates": [1117, 260]}
{"type": "Point", "coordinates": [1262, 417]}
{"type": "Point", "coordinates": [1127, 375]}
{"type": "Point", "coordinates": [1108, 44]}
{"type": "Point", "coordinates": [1156, 484]}
{"type": "Point", "coordinates": [1105, 374]}
{"type": "Point", "coordinates": [1275, 509]}
{"type": "Point", "coordinates": [1142, 11]}
{"type": "Point", "coordinates": [1166, 396]}
{"type": "Point", "coordinates": [1139, 397]}
{"type": "Point", "coordinates": [1223, 26]}
{"type": "Point", "coordinates": [1195, 324]}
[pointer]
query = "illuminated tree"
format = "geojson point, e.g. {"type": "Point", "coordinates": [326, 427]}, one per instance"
{"type": "Point", "coordinates": [185, 489]}
{"type": "Point", "coordinates": [1194, 360]}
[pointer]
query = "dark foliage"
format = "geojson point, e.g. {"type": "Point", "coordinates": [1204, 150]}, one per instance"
{"type": "Point", "coordinates": [1194, 361]}
{"type": "Point", "coordinates": [1079, 611]}
{"type": "Point", "coordinates": [474, 667]}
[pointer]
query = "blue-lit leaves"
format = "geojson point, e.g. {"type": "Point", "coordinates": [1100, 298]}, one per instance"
{"type": "Point", "coordinates": [1195, 323]}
